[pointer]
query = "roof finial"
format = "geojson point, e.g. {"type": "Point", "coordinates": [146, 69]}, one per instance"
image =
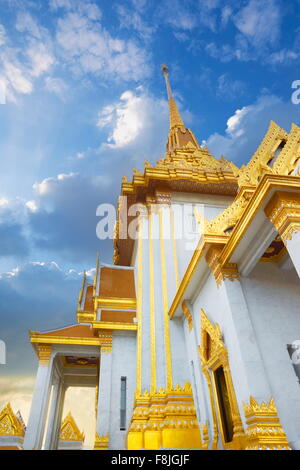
{"type": "Point", "coordinates": [165, 71]}
{"type": "Point", "coordinates": [175, 118]}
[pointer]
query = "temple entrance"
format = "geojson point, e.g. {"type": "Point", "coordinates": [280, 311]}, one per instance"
{"type": "Point", "coordinates": [224, 404]}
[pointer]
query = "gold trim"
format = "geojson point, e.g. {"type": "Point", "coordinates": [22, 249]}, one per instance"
{"type": "Point", "coordinates": [264, 431]}
{"type": "Point", "coordinates": [228, 271]}
{"type": "Point", "coordinates": [283, 210]}
{"type": "Point", "coordinates": [218, 357]}
{"type": "Point", "coordinates": [44, 353]}
{"type": "Point", "coordinates": [165, 419]}
{"type": "Point", "coordinates": [69, 430]}
{"type": "Point", "coordinates": [43, 340]}
{"type": "Point", "coordinates": [10, 424]}
{"type": "Point", "coordinates": [101, 442]}
{"type": "Point", "coordinates": [115, 302]}
{"type": "Point", "coordinates": [101, 325]}
{"type": "Point", "coordinates": [187, 314]}
{"type": "Point", "coordinates": [267, 183]}
{"type": "Point", "coordinates": [169, 381]}
{"type": "Point", "coordinates": [85, 317]}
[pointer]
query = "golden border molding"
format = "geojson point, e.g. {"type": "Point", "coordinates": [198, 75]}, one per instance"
{"type": "Point", "coordinates": [283, 210]}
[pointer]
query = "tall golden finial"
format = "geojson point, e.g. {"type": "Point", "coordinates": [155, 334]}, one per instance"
{"type": "Point", "coordinates": [175, 118]}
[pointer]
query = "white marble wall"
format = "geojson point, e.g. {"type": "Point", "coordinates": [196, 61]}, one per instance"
{"type": "Point", "coordinates": [123, 365]}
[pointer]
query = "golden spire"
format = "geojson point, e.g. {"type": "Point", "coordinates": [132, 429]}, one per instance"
{"type": "Point", "coordinates": [175, 118]}
{"type": "Point", "coordinates": [179, 136]}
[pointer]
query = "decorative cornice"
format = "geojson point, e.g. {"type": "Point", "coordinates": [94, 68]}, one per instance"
{"type": "Point", "coordinates": [221, 272]}
{"type": "Point", "coordinates": [44, 353]}
{"type": "Point", "coordinates": [283, 210]}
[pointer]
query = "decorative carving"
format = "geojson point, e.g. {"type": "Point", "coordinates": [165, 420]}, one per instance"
{"type": "Point", "coordinates": [44, 353]}
{"type": "Point", "coordinates": [288, 159]}
{"type": "Point", "coordinates": [105, 337]}
{"type": "Point", "coordinates": [264, 431]}
{"type": "Point", "coordinates": [284, 212]}
{"type": "Point", "coordinates": [187, 314]}
{"type": "Point", "coordinates": [205, 438]}
{"type": "Point", "coordinates": [218, 357]}
{"type": "Point", "coordinates": [69, 430]}
{"type": "Point", "coordinates": [11, 424]}
{"type": "Point", "coordinates": [158, 420]}
{"type": "Point", "coordinates": [251, 174]}
{"type": "Point", "coordinates": [226, 221]}
{"type": "Point", "coordinates": [221, 272]}
{"type": "Point", "coordinates": [101, 442]}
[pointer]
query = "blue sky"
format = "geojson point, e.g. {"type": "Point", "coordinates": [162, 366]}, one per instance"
{"type": "Point", "coordinates": [86, 103]}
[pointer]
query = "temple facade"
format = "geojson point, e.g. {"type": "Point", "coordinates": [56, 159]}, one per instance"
{"type": "Point", "coordinates": [191, 336]}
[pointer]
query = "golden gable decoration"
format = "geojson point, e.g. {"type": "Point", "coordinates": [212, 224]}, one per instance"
{"type": "Point", "coordinates": [70, 431]}
{"type": "Point", "coordinates": [11, 424]}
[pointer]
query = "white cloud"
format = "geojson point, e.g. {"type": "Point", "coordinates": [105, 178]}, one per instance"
{"type": "Point", "coordinates": [132, 20]}
{"type": "Point", "coordinates": [16, 78]}
{"type": "Point", "coordinates": [283, 56]}
{"type": "Point", "coordinates": [89, 48]}
{"type": "Point", "coordinates": [56, 86]}
{"type": "Point", "coordinates": [2, 35]}
{"type": "Point", "coordinates": [40, 58]}
{"type": "Point", "coordinates": [248, 125]}
{"type": "Point", "coordinates": [55, 4]}
{"type": "Point", "coordinates": [129, 117]}
{"type": "Point", "coordinates": [32, 206]}
{"type": "Point", "coordinates": [259, 21]}
{"type": "Point", "coordinates": [26, 23]}
{"type": "Point", "coordinates": [49, 185]}
{"type": "Point", "coordinates": [229, 88]}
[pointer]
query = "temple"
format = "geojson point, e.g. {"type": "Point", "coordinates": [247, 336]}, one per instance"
{"type": "Point", "coordinates": [191, 336]}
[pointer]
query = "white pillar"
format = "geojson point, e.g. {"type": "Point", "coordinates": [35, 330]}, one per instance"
{"type": "Point", "coordinates": [293, 247]}
{"type": "Point", "coordinates": [104, 394]}
{"type": "Point", "coordinates": [246, 363]}
{"type": "Point", "coordinates": [39, 407]}
{"type": "Point", "coordinates": [55, 415]}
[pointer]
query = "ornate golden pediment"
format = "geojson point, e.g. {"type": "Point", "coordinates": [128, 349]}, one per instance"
{"type": "Point", "coordinates": [69, 430]}
{"type": "Point", "coordinates": [10, 424]}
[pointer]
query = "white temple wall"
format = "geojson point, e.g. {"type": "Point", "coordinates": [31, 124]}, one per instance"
{"type": "Point", "coordinates": [123, 365]}
{"type": "Point", "coordinates": [209, 206]}
{"type": "Point", "coordinates": [273, 298]}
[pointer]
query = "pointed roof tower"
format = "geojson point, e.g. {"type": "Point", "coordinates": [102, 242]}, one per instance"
{"type": "Point", "coordinates": [179, 135]}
